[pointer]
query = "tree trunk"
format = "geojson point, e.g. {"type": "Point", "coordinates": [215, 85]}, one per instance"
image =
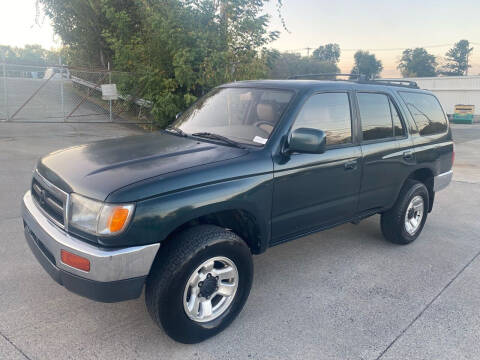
{"type": "Point", "coordinates": [102, 58]}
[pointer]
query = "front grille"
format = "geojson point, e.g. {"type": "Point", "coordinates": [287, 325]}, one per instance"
{"type": "Point", "coordinates": [50, 199]}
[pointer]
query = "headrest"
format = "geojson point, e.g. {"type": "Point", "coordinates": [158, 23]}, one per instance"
{"type": "Point", "coordinates": [266, 112]}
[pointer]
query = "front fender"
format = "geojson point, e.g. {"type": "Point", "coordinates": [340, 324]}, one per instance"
{"type": "Point", "coordinates": [156, 218]}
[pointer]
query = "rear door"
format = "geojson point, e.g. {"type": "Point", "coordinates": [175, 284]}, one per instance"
{"type": "Point", "coordinates": [387, 150]}
{"type": "Point", "coordinates": [316, 190]}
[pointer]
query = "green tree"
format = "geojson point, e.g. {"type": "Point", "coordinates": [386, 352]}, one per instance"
{"type": "Point", "coordinates": [81, 25]}
{"type": "Point", "coordinates": [8, 54]}
{"type": "Point", "coordinates": [180, 51]}
{"type": "Point", "coordinates": [29, 55]}
{"type": "Point", "coordinates": [173, 50]}
{"type": "Point", "coordinates": [367, 64]}
{"type": "Point", "coordinates": [417, 63]}
{"type": "Point", "coordinates": [457, 59]}
{"type": "Point", "coordinates": [285, 65]}
{"type": "Point", "coordinates": [33, 55]}
{"type": "Point", "coordinates": [329, 53]}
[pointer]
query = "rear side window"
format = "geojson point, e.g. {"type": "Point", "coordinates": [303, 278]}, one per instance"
{"type": "Point", "coordinates": [329, 112]}
{"type": "Point", "coordinates": [426, 111]}
{"type": "Point", "coordinates": [376, 116]}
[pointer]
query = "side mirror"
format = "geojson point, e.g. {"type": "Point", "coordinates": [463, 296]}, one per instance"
{"type": "Point", "coordinates": [306, 140]}
{"type": "Point", "coordinates": [178, 115]}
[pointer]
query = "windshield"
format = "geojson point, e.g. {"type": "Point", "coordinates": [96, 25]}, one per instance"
{"type": "Point", "coordinates": [246, 115]}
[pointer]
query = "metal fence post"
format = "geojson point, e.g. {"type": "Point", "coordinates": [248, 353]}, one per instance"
{"type": "Point", "coordinates": [110, 81]}
{"type": "Point", "coordinates": [61, 87]}
{"type": "Point", "coordinates": [5, 88]}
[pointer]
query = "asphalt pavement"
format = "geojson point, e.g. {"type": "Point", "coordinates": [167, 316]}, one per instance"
{"type": "Point", "coordinates": [339, 294]}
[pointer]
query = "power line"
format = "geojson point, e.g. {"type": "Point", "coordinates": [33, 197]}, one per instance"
{"type": "Point", "coordinates": [403, 48]}
{"type": "Point", "coordinates": [386, 49]}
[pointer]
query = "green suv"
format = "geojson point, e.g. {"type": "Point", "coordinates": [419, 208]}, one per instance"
{"type": "Point", "coordinates": [250, 165]}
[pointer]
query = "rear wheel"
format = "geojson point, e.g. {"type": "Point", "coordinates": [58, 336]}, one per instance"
{"type": "Point", "coordinates": [199, 283]}
{"type": "Point", "coordinates": [403, 223]}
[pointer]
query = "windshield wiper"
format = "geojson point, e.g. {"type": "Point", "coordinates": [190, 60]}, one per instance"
{"type": "Point", "coordinates": [224, 139]}
{"type": "Point", "coordinates": [176, 131]}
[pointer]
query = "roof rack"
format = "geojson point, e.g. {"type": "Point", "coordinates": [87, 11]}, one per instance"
{"type": "Point", "coordinates": [360, 78]}
{"type": "Point", "coordinates": [396, 82]}
{"type": "Point", "coordinates": [324, 75]}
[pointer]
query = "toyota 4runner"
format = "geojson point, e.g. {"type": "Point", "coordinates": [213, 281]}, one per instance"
{"type": "Point", "coordinates": [250, 165]}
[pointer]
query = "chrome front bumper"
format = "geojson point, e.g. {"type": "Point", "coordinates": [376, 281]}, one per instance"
{"type": "Point", "coordinates": [106, 265]}
{"type": "Point", "coordinates": [441, 181]}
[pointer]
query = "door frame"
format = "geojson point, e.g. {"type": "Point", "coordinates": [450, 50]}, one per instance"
{"type": "Point", "coordinates": [278, 157]}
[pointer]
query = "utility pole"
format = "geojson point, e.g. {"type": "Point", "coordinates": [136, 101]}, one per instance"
{"type": "Point", "coordinates": [308, 50]}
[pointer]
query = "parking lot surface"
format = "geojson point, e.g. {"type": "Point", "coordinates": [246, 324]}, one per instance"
{"type": "Point", "coordinates": [339, 294]}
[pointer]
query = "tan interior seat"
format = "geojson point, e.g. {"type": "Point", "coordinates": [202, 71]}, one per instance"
{"type": "Point", "coordinates": [266, 112]}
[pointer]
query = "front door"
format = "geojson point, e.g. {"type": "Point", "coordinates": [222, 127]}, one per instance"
{"type": "Point", "coordinates": [312, 191]}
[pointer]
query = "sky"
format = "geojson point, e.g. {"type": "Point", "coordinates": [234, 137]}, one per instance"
{"type": "Point", "coordinates": [374, 25]}
{"type": "Point", "coordinates": [18, 25]}
{"type": "Point", "coordinates": [379, 24]}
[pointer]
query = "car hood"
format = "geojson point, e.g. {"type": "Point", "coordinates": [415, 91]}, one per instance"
{"type": "Point", "coordinates": [97, 169]}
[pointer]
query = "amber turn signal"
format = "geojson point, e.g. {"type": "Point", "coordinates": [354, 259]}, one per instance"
{"type": "Point", "coordinates": [75, 261]}
{"type": "Point", "coordinates": [117, 219]}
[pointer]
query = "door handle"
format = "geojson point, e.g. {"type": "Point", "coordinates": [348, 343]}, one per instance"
{"type": "Point", "coordinates": [408, 155]}
{"type": "Point", "coordinates": [351, 165]}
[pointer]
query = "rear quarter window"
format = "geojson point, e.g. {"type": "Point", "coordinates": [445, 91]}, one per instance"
{"type": "Point", "coordinates": [426, 112]}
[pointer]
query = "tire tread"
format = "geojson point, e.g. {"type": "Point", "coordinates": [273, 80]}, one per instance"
{"type": "Point", "coordinates": [172, 258]}
{"type": "Point", "coordinates": [392, 221]}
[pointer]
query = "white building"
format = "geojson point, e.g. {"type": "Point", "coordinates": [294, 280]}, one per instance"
{"type": "Point", "coordinates": [453, 90]}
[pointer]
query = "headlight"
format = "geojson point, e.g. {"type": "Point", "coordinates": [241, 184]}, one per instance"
{"type": "Point", "coordinates": [98, 218]}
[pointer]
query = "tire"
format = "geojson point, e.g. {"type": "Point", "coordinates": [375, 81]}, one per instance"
{"type": "Point", "coordinates": [167, 295]}
{"type": "Point", "coordinates": [395, 226]}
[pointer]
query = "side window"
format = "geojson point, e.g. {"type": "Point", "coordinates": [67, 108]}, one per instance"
{"type": "Point", "coordinates": [426, 111]}
{"type": "Point", "coordinates": [376, 116]}
{"type": "Point", "coordinates": [329, 112]}
{"type": "Point", "coordinates": [398, 129]}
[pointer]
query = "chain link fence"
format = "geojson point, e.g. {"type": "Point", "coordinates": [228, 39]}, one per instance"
{"type": "Point", "coordinates": [63, 94]}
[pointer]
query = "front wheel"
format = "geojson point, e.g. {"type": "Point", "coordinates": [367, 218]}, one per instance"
{"type": "Point", "coordinates": [403, 223]}
{"type": "Point", "coordinates": [199, 283]}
